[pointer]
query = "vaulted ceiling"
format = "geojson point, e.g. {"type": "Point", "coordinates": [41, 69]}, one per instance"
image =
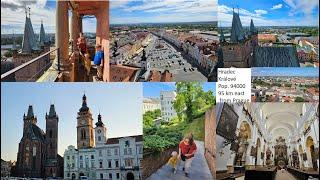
{"type": "Point", "coordinates": [281, 118]}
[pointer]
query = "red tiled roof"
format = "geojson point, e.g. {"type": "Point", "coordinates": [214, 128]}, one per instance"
{"type": "Point", "coordinates": [119, 73]}
{"type": "Point", "coordinates": [157, 76]}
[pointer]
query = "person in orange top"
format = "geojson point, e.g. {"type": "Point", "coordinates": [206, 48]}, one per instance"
{"type": "Point", "coordinates": [187, 149]}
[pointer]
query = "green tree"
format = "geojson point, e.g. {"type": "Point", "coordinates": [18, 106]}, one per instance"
{"type": "Point", "coordinates": [191, 100]}
{"type": "Point", "coordinates": [149, 117]}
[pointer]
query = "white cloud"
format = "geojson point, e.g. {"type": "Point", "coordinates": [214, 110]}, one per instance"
{"type": "Point", "coordinates": [302, 6]}
{"type": "Point", "coordinates": [13, 16]}
{"type": "Point", "coordinates": [260, 12]}
{"type": "Point", "coordinates": [278, 6]}
{"type": "Point", "coordinates": [166, 11]}
{"type": "Point", "coordinates": [225, 18]}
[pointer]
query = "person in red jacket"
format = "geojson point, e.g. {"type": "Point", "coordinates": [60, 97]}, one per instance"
{"type": "Point", "coordinates": [187, 149]}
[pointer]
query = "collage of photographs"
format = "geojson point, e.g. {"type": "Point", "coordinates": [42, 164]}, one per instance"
{"type": "Point", "coordinates": [127, 90]}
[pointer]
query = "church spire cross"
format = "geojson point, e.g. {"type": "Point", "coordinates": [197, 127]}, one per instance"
{"type": "Point", "coordinates": [29, 12]}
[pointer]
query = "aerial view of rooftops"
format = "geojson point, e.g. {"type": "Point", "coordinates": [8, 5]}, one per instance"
{"type": "Point", "coordinates": [163, 40]}
{"type": "Point", "coordinates": [285, 85]}
{"type": "Point", "coordinates": [269, 33]}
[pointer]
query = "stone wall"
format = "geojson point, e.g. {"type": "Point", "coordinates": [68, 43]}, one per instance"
{"type": "Point", "coordinates": [153, 161]}
{"type": "Point", "coordinates": [210, 139]}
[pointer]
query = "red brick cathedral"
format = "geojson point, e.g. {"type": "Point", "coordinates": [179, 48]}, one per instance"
{"type": "Point", "coordinates": [38, 151]}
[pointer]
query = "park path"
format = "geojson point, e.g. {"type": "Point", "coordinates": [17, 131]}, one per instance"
{"type": "Point", "coordinates": [199, 168]}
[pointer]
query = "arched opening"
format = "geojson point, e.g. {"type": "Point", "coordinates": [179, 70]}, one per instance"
{"type": "Point", "coordinates": [83, 134]}
{"type": "Point", "coordinates": [50, 133]}
{"type": "Point", "coordinates": [313, 153]}
{"type": "Point", "coordinates": [81, 174]}
{"type": "Point", "coordinates": [130, 176]}
{"type": "Point", "coordinates": [73, 176]}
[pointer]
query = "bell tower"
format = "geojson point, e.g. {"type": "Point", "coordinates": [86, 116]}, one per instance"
{"type": "Point", "coordinates": [85, 126]}
{"type": "Point", "coordinates": [51, 168]}
{"type": "Point", "coordinates": [52, 132]}
{"type": "Point", "coordinates": [100, 132]}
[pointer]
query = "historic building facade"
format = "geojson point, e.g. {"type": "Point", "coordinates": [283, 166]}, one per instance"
{"type": "Point", "coordinates": [242, 50]}
{"type": "Point", "coordinates": [99, 157]}
{"type": "Point", "coordinates": [166, 101]}
{"type": "Point", "coordinates": [37, 154]}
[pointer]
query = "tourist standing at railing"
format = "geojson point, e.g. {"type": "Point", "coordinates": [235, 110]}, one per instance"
{"type": "Point", "coordinates": [187, 149]}
{"type": "Point", "coordinates": [82, 44]}
{"type": "Point", "coordinates": [98, 60]}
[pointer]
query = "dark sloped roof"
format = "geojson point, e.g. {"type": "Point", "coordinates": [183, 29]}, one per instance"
{"type": "Point", "coordinates": [52, 112]}
{"type": "Point", "coordinates": [38, 133]}
{"type": "Point", "coordinates": [30, 112]}
{"type": "Point", "coordinates": [275, 57]}
{"type": "Point", "coordinates": [84, 106]}
{"type": "Point", "coordinates": [237, 33]}
{"type": "Point", "coordinates": [99, 123]}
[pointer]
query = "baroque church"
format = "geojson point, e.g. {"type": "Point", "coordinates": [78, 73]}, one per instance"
{"type": "Point", "coordinates": [267, 141]}
{"type": "Point", "coordinates": [38, 150]}
{"type": "Point", "coordinates": [242, 49]}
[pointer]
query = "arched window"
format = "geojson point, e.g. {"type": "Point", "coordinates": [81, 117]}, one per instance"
{"type": "Point", "coordinates": [83, 134]}
{"type": "Point", "coordinates": [99, 138]}
{"type": "Point", "coordinates": [50, 133]}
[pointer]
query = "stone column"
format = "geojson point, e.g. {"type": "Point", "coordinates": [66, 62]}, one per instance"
{"type": "Point", "coordinates": [62, 34]}
{"type": "Point", "coordinates": [102, 35]}
{"type": "Point", "coordinates": [75, 28]}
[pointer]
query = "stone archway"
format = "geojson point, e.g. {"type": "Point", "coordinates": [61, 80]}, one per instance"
{"type": "Point", "coordinates": [130, 176]}
{"type": "Point", "coordinates": [73, 176]}
{"type": "Point", "coordinates": [313, 153]}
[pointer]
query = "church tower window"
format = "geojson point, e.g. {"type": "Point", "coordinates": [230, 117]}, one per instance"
{"type": "Point", "coordinates": [50, 133]}
{"type": "Point", "coordinates": [83, 134]}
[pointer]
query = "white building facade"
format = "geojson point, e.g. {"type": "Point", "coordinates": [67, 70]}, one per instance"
{"type": "Point", "coordinates": [111, 158]}
{"type": "Point", "coordinates": [150, 104]}
{"type": "Point", "coordinates": [167, 99]}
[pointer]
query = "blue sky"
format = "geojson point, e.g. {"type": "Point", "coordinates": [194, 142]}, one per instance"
{"type": "Point", "coordinates": [154, 89]}
{"type": "Point", "coordinates": [285, 71]}
{"type": "Point", "coordinates": [120, 105]}
{"type": "Point", "coordinates": [270, 12]}
{"type": "Point", "coordinates": [13, 16]}
{"type": "Point", "coordinates": [162, 11]}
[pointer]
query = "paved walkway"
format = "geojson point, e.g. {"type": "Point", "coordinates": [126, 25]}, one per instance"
{"type": "Point", "coordinates": [199, 168]}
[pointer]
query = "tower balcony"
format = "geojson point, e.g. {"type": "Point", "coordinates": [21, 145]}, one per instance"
{"type": "Point", "coordinates": [68, 64]}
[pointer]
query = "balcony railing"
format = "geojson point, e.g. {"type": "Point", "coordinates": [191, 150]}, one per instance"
{"type": "Point", "coordinates": [11, 73]}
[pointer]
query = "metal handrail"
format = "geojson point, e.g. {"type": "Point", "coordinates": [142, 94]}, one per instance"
{"type": "Point", "coordinates": [6, 74]}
